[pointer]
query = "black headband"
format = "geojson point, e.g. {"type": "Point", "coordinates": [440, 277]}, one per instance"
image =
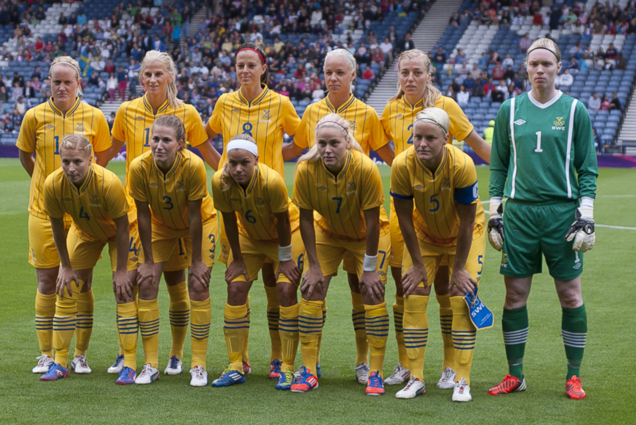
{"type": "Point", "coordinates": [544, 48]}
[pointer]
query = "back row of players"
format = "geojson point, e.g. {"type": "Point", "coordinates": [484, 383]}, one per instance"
{"type": "Point", "coordinates": [335, 215]}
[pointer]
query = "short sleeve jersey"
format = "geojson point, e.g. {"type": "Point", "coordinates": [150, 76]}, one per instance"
{"type": "Point", "coordinates": [265, 119]}
{"type": "Point", "coordinates": [255, 206]}
{"type": "Point", "coordinates": [41, 133]}
{"type": "Point", "coordinates": [92, 206]}
{"type": "Point", "coordinates": [437, 194]}
{"type": "Point", "coordinates": [341, 200]}
{"type": "Point", "coordinates": [168, 194]}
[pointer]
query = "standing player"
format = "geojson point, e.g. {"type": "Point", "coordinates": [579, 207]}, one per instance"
{"type": "Point", "coordinates": [169, 187]}
{"type": "Point", "coordinates": [40, 135]}
{"type": "Point", "coordinates": [257, 111]}
{"type": "Point", "coordinates": [261, 223]}
{"type": "Point", "coordinates": [132, 126]}
{"type": "Point", "coordinates": [447, 226]}
{"type": "Point", "coordinates": [94, 198]}
{"type": "Point", "coordinates": [544, 162]}
{"type": "Point", "coordinates": [350, 222]}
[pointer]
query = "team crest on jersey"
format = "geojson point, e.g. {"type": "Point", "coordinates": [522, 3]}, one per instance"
{"type": "Point", "coordinates": [94, 201]}
{"type": "Point", "coordinates": [49, 127]}
{"type": "Point", "coordinates": [265, 115]}
{"type": "Point", "coordinates": [351, 188]}
{"type": "Point", "coordinates": [418, 187]}
{"type": "Point", "coordinates": [519, 122]}
{"type": "Point", "coordinates": [79, 126]}
{"type": "Point", "coordinates": [322, 187]}
{"type": "Point", "coordinates": [446, 185]}
{"type": "Point", "coordinates": [153, 184]}
{"type": "Point", "coordinates": [559, 124]}
{"type": "Point", "coordinates": [260, 202]}
{"type": "Point", "coordinates": [352, 126]}
{"type": "Point", "coordinates": [179, 186]}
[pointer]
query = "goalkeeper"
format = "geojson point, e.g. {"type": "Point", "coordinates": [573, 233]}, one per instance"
{"type": "Point", "coordinates": [543, 161]}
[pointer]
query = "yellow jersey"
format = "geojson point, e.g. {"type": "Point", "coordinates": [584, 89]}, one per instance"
{"type": "Point", "coordinates": [265, 119]}
{"type": "Point", "coordinates": [256, 205]}
{"type": "Point", "coordinates": [92, 206]}
{"type": "Point", "coordinates": [437, 194]}
{"type": "Point", "coordinates": [398, 116]}
{"type": "Point", "coordinates": [168, 194]}
{"type": "Point", "coordinates": [363, 121]}
{"type": "Point", "coordinates": [42, 130]}
{"type": "Point", "coordinates": [341, 200]}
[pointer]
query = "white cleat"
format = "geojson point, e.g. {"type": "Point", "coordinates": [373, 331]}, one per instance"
{"type": "Point", "coordinates": [447, 380]}
{"type": "Point", "coordinates": [44, 364]}
{"type": "Point", "coordinates": [362, 373]}
{"type": "Point", "coordinates": [462, 391]}
{"type": "Point", "coordinates": [117, 366]}
{"type": "Point", "coordinates": [399, 376]}
{"type": "Point", "coordinates": [199, 377]}
{"type": "Point", "coordinates": [175, 366]}
{"type": "Point", "coordinates": [80, 365]}
{"type": "Point", "coordinates": [148, 375]}
{"type": "Point", "coordinates": [414, 388]}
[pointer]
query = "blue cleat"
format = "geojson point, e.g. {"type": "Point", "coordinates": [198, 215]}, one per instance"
{"type": "Point", "coordinates": [285, 380]}
{"type": "Point", "coordinates": [375, 385]}
{"type": "Point", "coordinates": [305, 382]}
{"type": "Point", "coordinates": [318, 371]}
{"type": "Point", "coordinates": [126, 376]}
{"type": "Point", "coordinates": [274, 369]}
{"type": "Point", "coordinates": [229, 377]}
{"type": "Point", "coordinates": [56, 371]}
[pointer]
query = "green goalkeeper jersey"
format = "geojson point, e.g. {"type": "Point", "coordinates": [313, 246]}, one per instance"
{"type": "Point", "coordinates": [543, 152]}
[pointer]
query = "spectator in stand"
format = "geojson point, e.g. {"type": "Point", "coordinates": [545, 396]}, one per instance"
{"type": "Point", "coordinates": [7, 123]}
{"type": "Point", "coordinates": [460, 57]}
{"type": "Point", "coordinates": [499, 92]}
{"type": "Point", "coordinates": [368, 74]}
{"type": "Point", "coordinates": [17, 91]}
{"type": "Point", "coordinates": [509, 74]}
{"type": "Point", "coordinates": [615, 103]}
{"type": "Point", "coordinates": [565, 80]}
{"type": "Point", "coordinates": [133, 76]}
{"type": "Point", "coordinates": [440, 58]}
{"type": "Point", "coordinates": [29, 90]}
{"type": "Point", "coordinates": [508, 61]}
{"type": "Point", "coordinates": [594, 102]}
{"type": "Point", "coordinates": [111, 86]}
{"type": "Point", "coordinates": [573, 66]}
{"type": "Point", "coordinates": [318, 93]}
{"type": "Point", "coordinates": [611, 53]}
{"type": "Point", "coordinates": [498, 72]}
{"type": "Point", "coordinates": [513, 90]}
{"type": "Point", "coordinates": [463, 96]}
{"type": "Point", "coordinates": [470, 82]}
{"type": "Point", "coordinates": [16, 118]}
{"type": "Point", "coordinates": [493, 57]}
{"type": "Point", "coordinates": [454, 20]}
{"type": "Point", "coordinates": [605, 103]}
{"type": "Point", "coordinates": [451, 93]}
{"type": "Point", "coordinates": [387, 49]}
{"type": "Point", "coordinates": [378, 57]}
{"type": "Point", "coordinates": [408, 43]}
{"type": "Point", "coordinates": [21, 105]}
{"type": "Point", "coordinates": [525, 43]}
{"type": "Point", "coordinates": [482, 63]}
{"type": "Point", "coordinates": [122, 82]}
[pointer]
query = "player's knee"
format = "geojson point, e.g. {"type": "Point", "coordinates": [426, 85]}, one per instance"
{"type": "Point", "coordinates": [236, 293]}
{"type": "Point", "coordinates": [197, 292]}
{"type": "Point", "coordinates": [147, 291]}
{"type": "Point", "coordinates": [287, 294]}
{"type": "Point", "coordinates": [46, 281]}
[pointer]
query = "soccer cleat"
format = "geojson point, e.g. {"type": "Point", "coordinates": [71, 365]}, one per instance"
{"type": "Point", "coordinates": [247, 368]}
{"type": "Point", "coordinates": [175, 366]}
{"type": "Point", "coordinates": [375, 385]}
{"type": "Point", "coordinates": [118, 365]}
{"type": "Point", "coordinates": [362, 373]}
{"type": "Point", "coordinates": [462, 391]}
{"type": "Point", "coordinates": [318, 371]}
{"type": "Point", "coordinates": [285, 380]}
{"type": "Point", "coordinates": [79, 365]}
{"type": "Point", "coordinates": [573, 388]}
{"type": "Point", "coordinates": [229, 377]}
{"type": "Point", "coordinates": [44, 364]}
{"type": "Point", "coordinates": [414, 388]}
{"type": "Point", "coordinates": [510, 384]}
{"type": "Point", "coordinates": [447, 380]}
{"type": "Point", "coordinates": [399, 376]}
{"type": "Point", "coordinates": [148, 375]}
{"type": "Point", "coordinates": [199, 377]}
{"type": "Point", "coordinates": [126, 376]}
{"type": "Point", "coordinates": [55, 372]}
{"type": "Point", "coordinates": [305, 383]}
{"type": "Point", "coordinates": [274, 369]}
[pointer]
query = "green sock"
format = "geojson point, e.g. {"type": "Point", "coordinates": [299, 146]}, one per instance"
{"type": "Point", "coordinates": [574, 331]}
{"type": "Point", "coordinates": [515, 332]}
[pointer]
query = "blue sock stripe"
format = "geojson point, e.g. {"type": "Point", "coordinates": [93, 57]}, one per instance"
{"type": "Point", "coordinates": [242, 322]}
{"type": "Point", "coordinates": [285, 321]}
{"type": "Point", "coordinates": [236, 327]}
{"type": "Point", "coordinates": [121, 332]}
{"type": "Point", "coordinates": [310, 319]}
{"type": "Point", "coordinates": [379, 319]}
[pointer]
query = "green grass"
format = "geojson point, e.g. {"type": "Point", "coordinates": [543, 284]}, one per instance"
{"type": "Point", "coordinates": [606, 373]}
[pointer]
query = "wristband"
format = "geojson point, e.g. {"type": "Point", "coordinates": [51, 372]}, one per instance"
{"type": "Point", "coordinates": [284, 253]}
{"type": "Point", "coordinates": [494, 205]}
{"type": "Point", "coordinates": [370, 263]}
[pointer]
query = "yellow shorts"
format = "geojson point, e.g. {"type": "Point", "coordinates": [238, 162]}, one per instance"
{"type": "Point", "coordinates": [332, 251]}
{"type": "Point", "coordinates": [84, 253]}
{"type": "Point", "coordinates": [224, 255]}
{"type": "Point", "coordinates": [42, 251]}
{"type": "Point", "coordinates": [168, 243]}
{"type": "Point", "coordinates": [435, 256]}
{"type": "Point", "coordinates": [397, 240]}
{"type": "Point", "coordinates": [256, 253]}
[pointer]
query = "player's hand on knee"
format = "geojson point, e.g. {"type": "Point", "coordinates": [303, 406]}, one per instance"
{"type": "Point", "coordinates": [582, 230]}
{"type": "Point", "coordinates": [66, 278]}
{"type": "Point", "coordinates": [290, 270]}
{"type": "Point", "coordinates": [462, 280]}
{"type": "Point", "coordinates": [146, 273]}
{"type": "Point", "coordinates": [199, 273]}
{"type": "Point", "coordinates": [371, 283]}
{"type": "Point", "coordinates": [122, 286]}
{"type": "Point", "coordinates": [496, 225]}
{"type": "Point", "coordinates": [236, 269]}
{"type": "Point", "coordinates": [413, 277]}
{"type": "Point", "coordinates": [311, 279]}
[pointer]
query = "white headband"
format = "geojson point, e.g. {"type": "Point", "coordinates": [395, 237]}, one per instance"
{"type": "Point", "coordinates": [242, 144]}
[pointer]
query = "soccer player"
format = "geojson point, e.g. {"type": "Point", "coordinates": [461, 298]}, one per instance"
{"type": "Point", "coordinates": [133, 124]}
{"type": "Point", "coordinates": [261, 223]}
{"type": "Point", "coordinates": [94, 198]}
{"type": "Point", "coordinates": [447, 226]}
{"type": "Point", "coordinates": [415, 94]}
{"type": "Point", "coordinates": [169, 187]}
{"type": "Point", "coordinates": [544, 162]}
{"type": "Point", "coordinates": [259, 112]}
{"type": "Point", "coordinates": [40, 135]}
{"type": "Point", "coordinates": [339, 73]}
{"type": "Point", "coordinates": [350, 222]}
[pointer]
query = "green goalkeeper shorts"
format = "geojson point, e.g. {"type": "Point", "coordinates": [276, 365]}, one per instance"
{"type": "Point", "coordinates": [533, 229]}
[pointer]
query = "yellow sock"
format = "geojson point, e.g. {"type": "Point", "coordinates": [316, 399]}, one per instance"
{"type": "Point", "coordinates": [310, 318]}
{"type": "Point", "coordinates": [377, 331]}
{"type": "Point", "coordinates": [357, 316]}
{"type": "Point", "coordinates": [288, 329]}
{"type": "Point", "coordinates": [398, 315]}
{"type": "Point", "coordinates": [324, 320]}
{"type": "Point", "coordinates": [446, 321]}
{"type": "Point", "coordinates": [179, 317]}
{"type": "Point", "coordinates": [127, 325]}
{"type": "Point", "coordinates": [416, 333]}
{"type": "Point", "coordinates": [200, 330]}
{"type": "Point", "coordinates": [64, 324]}
{"type": "Point", "coordinates": [149, 327]}
{"type": "Point", "coordinates": [136, 294]}
{"type": "Point", "coordinates": [44, 312]}
{"type": "Point", "coordinates": [246, 354]}
{"type": "Point", "coordinates": [235, 330]}
{"type": "Point", "coordinates": [464, 334]}
{"type": "Point", "coordinates": [84, 323]}
{"type": "Point", "coordinates": [273, 316]}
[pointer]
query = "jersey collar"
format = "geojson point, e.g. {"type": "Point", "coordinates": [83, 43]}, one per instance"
{"type": "Point", "coordinates": [172, 169]}
{"type": "Point", "coordinates": [161, 110]}
{"type": "Point", "coordinates": [549, 103]}
{"type": "Point", "coordinates": [69, 112]}
{"type": "Point", "coordinates": [342, 172]}
{"type": "Point", "coordinates": [255, 101]}
{"type": "Point", "coordinates": [343, 107]}
{"type": "Point", "coordinates": [440, 167]}
{"type": "Point", "coordinates": [408, 104]}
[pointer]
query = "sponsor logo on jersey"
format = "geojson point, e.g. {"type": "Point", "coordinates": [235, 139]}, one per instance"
{"type": "Point", "coordinates": [139, 118]}
{"type": "Point", "coordinates": [577, 261]}
{"type": "Point", "coordinates": [418, 187]}
{"type": "Point", "coordinates": [351, 188]}
{"type": "Point", "coordinates": [235, 199]}
{"type": "Point", "coordinates": [94, 201]}
{"type": "Point", "coordinates": [519, 122]}
{"type": "Point", "coordinates": [234, 111]}
{"type": "Point", "coordinates": [322, 187]}
{"type": "Point", "coordinates": [446, 183]}
{"type": "Point", "coordinates": [153, 184]}
{"type": "Point", "coordinates": [49, 127]}
{"type": "Point", "coordinates": [67, 199]}
{"type": "Point", "coordinates": [398, 116]}
{"type": "Point", "coordinates": [179, 186]}
{"type": "Point", "coordinates": [559, 124]}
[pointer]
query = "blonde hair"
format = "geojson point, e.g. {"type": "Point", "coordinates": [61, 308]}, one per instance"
{"type": "Point", "coordinates": [345, 53]}
{"type": "Point", "coordinates": [70, 62]}
{"type": "Point", "coordinates": [168, 63]}
{"type": "Point", "coordinates": [431, 93]}
{"type": "Point", "coordinates": [546, 44]}
{"type": "Point", "coordinates": [171, 121]}
{"type": "Point", "coordinates": [76, 142]}
{"type": "Point", "coordinates": [226, 179]}
{"type": "Point", "coordinates": [331, 121]}
{"type": "Point", "coordinates": [435, 116]}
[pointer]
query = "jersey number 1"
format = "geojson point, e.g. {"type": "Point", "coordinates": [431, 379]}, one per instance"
{"type": "Point", "coordinates": [538, 149]}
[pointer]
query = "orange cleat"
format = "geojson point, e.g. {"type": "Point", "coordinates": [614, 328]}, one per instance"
{"type": "Point", "coordinates": [509, 385]}
{"type": "Point", "coordinates": [573, 388]}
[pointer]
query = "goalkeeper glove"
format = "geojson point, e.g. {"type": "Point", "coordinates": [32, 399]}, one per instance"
{"type": "Point", "coordinates": [495, 224]}
{"type": "Point", "coordinates": [582, 230]}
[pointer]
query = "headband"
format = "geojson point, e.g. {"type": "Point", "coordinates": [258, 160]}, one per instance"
{"type": "Point", "coordinates": [432, 121]}
{"type": "Point", "coordinates": [242, 144]}
{"type": "Point", "coordinates": [334, 122]}
{"type": "Point", "coordinates": [253, 50]}
{"type": "Point", "coordinates": [544, 48]}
